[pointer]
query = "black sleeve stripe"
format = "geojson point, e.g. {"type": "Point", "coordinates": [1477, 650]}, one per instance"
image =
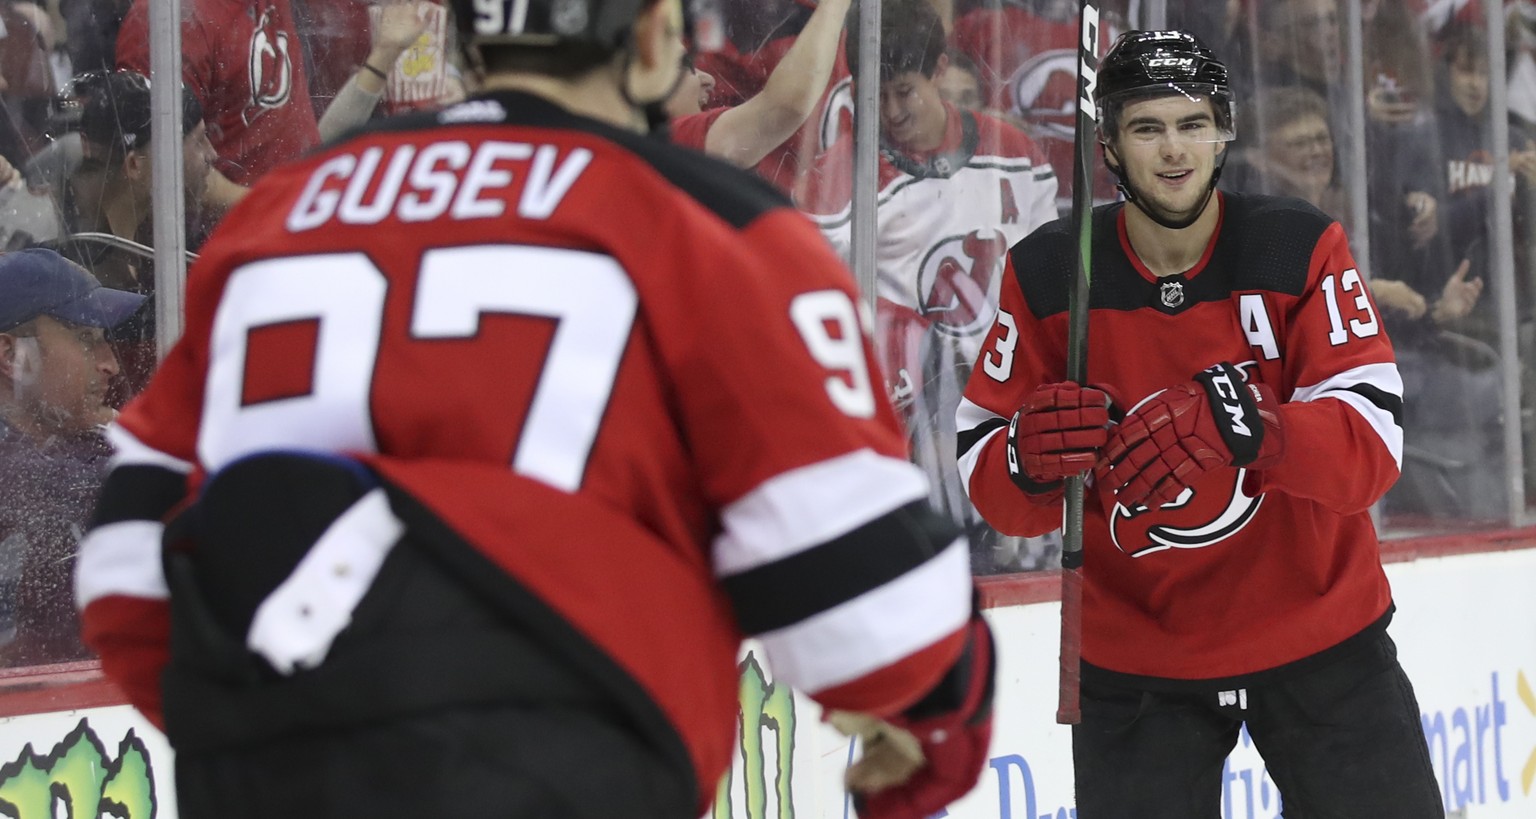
{"type": "Point", "coordinates": [138, 493]}
{"type": "Point", "coordinates": [970, 437]}
{"type": "Point", "coordinates": [1386, 401]}
{"type": "Point", "coordinates": [785, 592]}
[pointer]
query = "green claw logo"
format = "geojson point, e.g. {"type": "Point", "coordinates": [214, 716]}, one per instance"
{"type": "Point", "coordinates": [764, 705]}
{"type": "Point", "coordinates": [79, 774]}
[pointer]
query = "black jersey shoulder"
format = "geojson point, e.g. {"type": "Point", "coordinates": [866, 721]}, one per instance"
{"type": "Point", "coordinates": [737, 196]}
{"type": "Point", "coordinates": [1045, 261]}
{"type": "Point", "coordinates": [1266, 244]}
{"type": "Point", "coordinates": [1268, 241]}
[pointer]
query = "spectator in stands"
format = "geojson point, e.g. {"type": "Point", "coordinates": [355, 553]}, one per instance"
{"type": "Point", "coordinates": [1466, 149]}
{"type": "Point", "coordinates": [1404, 184]}
{"type": "Point", "coordinates": [1026, 57]}
{"type": "Point", "coordinates": [956, 189]}
{"type": "Point", "coordinates": [760, 34]}
{"type": "Point", "coordinates": [112, 188]}
{"type": "Point", "coordinates": [243, 61]}
{"type": "Point", "coordinates": [91, 27]}
{"type": "Point", "coordinates": [1293, 155]}
{"type": "Point", "coordinates": [26, 78]}
{"type": "Point", "coordinates": [55, 366]}
{"type": "Point", "coordinates": [746, 134]}
{"type": "Point", "coordinates": [400, 24]}
{"type": "Point", "coordinates": [960, 84]}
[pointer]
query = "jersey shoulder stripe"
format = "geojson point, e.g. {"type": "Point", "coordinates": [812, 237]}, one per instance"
{"type": "Point", "coordinates": [737, 196]}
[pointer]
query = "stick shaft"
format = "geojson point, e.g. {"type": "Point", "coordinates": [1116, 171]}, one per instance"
{"type": "Point", "coordinates": [1068, 710]}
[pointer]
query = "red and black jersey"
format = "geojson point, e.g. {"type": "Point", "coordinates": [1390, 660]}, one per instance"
{"type": "Point", "coordinates": [631, 376]}
{"type": "Point", "coordinates": [1248, 571]}
{"type": "Point", "coordinates": [244, 61]}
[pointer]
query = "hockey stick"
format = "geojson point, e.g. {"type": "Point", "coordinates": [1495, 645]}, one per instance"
{"type": "Point", "coordinates": [1068, 707]}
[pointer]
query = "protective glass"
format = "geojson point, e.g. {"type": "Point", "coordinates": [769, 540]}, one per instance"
{"type": "Point", "coordinates": [1215, 122]}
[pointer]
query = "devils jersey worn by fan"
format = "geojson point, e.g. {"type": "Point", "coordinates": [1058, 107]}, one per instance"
{"type": "Point", "coordinates": [244, 61]}
{"type": "Point", "coordinates": [1028, 66]}
{"type": "Point", "coordinates": [1248, 571]}
{"type": "Point", "coordinates": [649, 467]}
{"type": "Point", "coordinates": [945, 221]}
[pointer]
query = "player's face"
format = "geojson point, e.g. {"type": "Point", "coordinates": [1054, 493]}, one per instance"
{"type": "Point", "coordinates": [912, 111]}
{"type": "Point", "coordinates": [61, 381]}
{"type": "Point", "coordinates": [1167, 148]}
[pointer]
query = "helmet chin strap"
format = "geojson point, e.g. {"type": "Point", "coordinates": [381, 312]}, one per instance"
{"type": "Point", "coordinates": [1124, 184]}
{"type": "Point", "coordinates": [654, 111]}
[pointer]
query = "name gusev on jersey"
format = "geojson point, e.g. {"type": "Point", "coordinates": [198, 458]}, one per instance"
{"type": "Point", "coordinates": [631, 376]}
{"type": "Point", "coordinates": [1247, 571]}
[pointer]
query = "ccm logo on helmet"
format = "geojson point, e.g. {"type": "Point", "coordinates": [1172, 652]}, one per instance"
{"type": "Point", "coordinates": [1170, 62]}
{"type": "Point", "coordinates": [1231, 400]}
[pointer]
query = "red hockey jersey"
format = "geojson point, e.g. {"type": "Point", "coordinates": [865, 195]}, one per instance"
{"type": "Point", "coordinates": [1248, 571]}
{"type": "Point", "coordinates": [631, 376]}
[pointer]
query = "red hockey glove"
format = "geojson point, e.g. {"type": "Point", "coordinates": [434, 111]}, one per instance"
{"type": "Point", "coordinates": [1165, 445]}
{"type": "Point", "coordinates": [1057, 432]}
{"type": "Point", "coordinates": [953, 729]}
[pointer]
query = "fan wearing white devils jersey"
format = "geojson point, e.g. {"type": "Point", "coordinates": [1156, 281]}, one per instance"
{"type": "Point", "coordinates": [491, 435]}
{"type": "Point", "coordinates": [1231, 573]}
{"type": "Point", "coordinates": [957, 189]}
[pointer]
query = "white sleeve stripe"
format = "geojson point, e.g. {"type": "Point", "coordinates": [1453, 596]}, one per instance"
{"type": "Point", "coordinates": [130, 451]}
{"type": "Point", "coordinates": [1383, 377]}
{"type": "Point", "coordinates": [120, 559]}
{"type": "Point", "coordinates": [876, 628]}
{"type": "Point", "coordinates": [968, 416]}
{"type": "Point", "coordinates": [1380, 420]}
{"type": "Point", "coordinates": [806, 507]}
{"type": "Point", "coordinates": [971, 456]}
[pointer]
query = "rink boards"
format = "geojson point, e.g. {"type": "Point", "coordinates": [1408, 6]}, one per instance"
{"type": "Point", "coordinates": [1465, 628]}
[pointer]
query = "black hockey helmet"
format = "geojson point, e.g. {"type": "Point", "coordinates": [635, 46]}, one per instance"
{"type": "Point", "coordinates": [603, 23]}
{"type": "Point", "coordinates": [1145, 64]}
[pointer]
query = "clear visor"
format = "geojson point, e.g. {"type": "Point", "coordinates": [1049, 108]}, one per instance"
{"type": "Point", "coordinates": [1185, 112]}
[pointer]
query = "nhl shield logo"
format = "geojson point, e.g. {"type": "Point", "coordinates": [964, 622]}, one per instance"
{"type": "Point", "coordinates": [1171, 294]}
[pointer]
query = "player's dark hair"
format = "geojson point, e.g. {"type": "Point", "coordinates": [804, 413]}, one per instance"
{"type": "Point", "coordinates": [566, 61]}
{"type": "Point", "coordinates": [911, 38]}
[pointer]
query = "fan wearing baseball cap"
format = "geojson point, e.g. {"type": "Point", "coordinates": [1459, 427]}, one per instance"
{"type": "Point", "coordinates": [55, 363]}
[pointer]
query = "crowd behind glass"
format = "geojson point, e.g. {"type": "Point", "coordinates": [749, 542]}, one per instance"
{"type": "Point", "coordinates": [267, 80]}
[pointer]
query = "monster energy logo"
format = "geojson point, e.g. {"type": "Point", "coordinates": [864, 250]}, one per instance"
{"type": "Point", "coordinates": [78, 776]}
{"type": "Point", "coordinates": [764, 705]}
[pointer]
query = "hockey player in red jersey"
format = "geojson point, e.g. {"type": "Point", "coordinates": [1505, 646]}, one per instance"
{"type": "Point", "coordinates": [1232, 575]}
{"type": "Point", "coordinates": [491, 435]}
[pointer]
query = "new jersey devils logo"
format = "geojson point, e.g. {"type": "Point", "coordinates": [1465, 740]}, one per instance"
{"type": "Point", "coordinates": [1044, 91]}
{"type": "Point", "coordinates": [271, 69]}
{"type": "Point", "coordinates": [955, 280]}
{"type": "Point", "coordinates": [1194, 520]}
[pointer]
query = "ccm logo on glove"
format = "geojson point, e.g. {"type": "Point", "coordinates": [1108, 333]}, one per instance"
{"type": "Point", "coordinates": [1174, 437]}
